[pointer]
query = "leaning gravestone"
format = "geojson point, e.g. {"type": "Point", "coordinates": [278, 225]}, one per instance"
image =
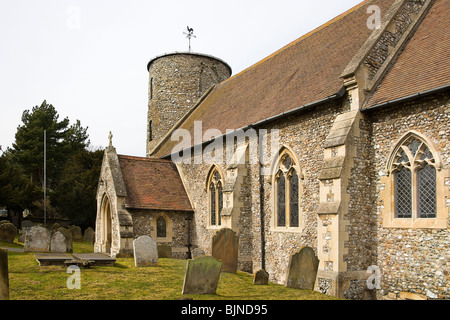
{"type": "Point", "coordinates": [77, 234]}
{"type": "Point", "coordinates": [261, 278]}
{"type": "Point", "coordinates": [202, 275]}
{"type": "Point", "coordinates": [69, 240]}
{"type": "Point", "coordinates": [164, 251]}
{"type": "Point", "coordinates": [197, 252]}
{"type": "Point", "coordinates": [88, 234]}
{"type": "Point", "coordinates": [145, 252]}
{"type": "Point", "coordinates": [58, 242]}
{"type": "Point", "coordinates": [37, 239]}
{"type": "Point", "coordinates": [302, 271]}
{"type": "Point", "coordinates": [4, 276]}
{"type": "Point", "coordinates": [225, 246]}
{"type": "Point", "coordinates": [8, 232]}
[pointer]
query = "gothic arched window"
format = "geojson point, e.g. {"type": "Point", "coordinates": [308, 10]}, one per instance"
{"type": "Point", "coordinates": [414, 177]}
{"type": "Point", "coordinates": [161, 230]}
{"type": "Point", "coordinates": [215, 191]}
{"type": "Point", "coordinates": [286, 193]}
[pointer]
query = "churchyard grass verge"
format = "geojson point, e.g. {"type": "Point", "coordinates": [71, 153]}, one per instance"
{"type": "Point", "coordinates": [124, 281]}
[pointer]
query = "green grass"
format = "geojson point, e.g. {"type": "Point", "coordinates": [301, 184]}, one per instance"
{"type": "Point", "coordinates": [29, 281]}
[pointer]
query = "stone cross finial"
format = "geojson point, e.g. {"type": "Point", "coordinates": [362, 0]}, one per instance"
{"type": "Point", "coordinates": [110, 136]}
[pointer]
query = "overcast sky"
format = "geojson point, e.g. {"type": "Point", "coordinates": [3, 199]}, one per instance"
{"type": "Point", "coordinates": [88, 58]}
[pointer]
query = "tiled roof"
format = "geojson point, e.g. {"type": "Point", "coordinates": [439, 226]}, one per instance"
{"type": "Point", "coordinates": [153, 184]}
{"type": "Point", "coordinates": [425, 62]}
{"type": "Point", "coordinates": [305, 71]}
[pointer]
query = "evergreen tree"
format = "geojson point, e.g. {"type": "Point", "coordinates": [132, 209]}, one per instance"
{"type": "Point", "coordinates": [62, 143]}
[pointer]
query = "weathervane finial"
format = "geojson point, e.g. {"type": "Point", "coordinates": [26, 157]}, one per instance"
{"type": "Point", "coordinates": [189, 35]}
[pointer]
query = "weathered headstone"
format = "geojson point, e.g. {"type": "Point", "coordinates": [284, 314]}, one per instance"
{"type": "Point", "coordinates": [202, 275]}
{"type": "Point", "coordinates": [69, 240]}
{"type": "Point", "coordinates": [4, 276]}
{"type": "Point", "coordinates": [261, 278]}
{"type": "Point", "coordinates": [21, 237]}
{"type": "Point", "coordinates": [164, 251]}
{"type": "Point", "coordinates": [37, 239]}
{"type": "Point", "coordinates": [225, 246]}
{"type": "Point", "coordinates": [302, 271]}
{"type": "Point", "coordinates": [77, 234]}
{"type": "Point", "coordinates": [8, 232]}
{"type": "Point", "coordinates": [55, 226]}
{"type": "Point", "coordinates": [197, 252]}
{"type": "Point", "coordinates": [58, 242]}
{"type": "Point", "coordinates": [88, 234]}
{"type": "Point", "coordinates": [145, 251]}
{"type": "Point", "coordinates": [26, 224]}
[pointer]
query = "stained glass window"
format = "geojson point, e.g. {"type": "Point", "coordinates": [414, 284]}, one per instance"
{"type": "Point", "coordinates": [220, 196]}
{"type": "Point", "coordinates": [415, 180]}
{"type": "Point", "coordinates": [281, 188]}
{"type": "Point", "coordinates": [426, 180]}
{"type": "Point", "coordinates": [161, 227]}
{"type": "Point", "coordinates": [293, 185]}
{"type": "Point", "coordinates": [403, 193]}
{"type": "Point", "coordinates": [212, 191]}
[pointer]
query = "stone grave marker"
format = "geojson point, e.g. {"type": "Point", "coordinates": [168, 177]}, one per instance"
{"type": "Point", "coordinates": [58, 242]}
{"type": "Point", "coordinates": [37, 239]}
{"type": "Point", "coordinates": [202, 275]}
{"type": "Point", "coordinates": [302, 270]}
{"type": "Point", "coordinates": [8, 232]}
{"type": "Point", "coordinates": [77, 234]}
{"type": "Point", "coordinates": [4, 276]}
{"type": "Point", "coordinates": [145, 251]}
{"type": "Point", "coordinates": [225, 247]}
{"type": "Point", "coordinates": [164, 251]}
{"type": "Point", "coordinates": [261, 278]}
{"type": "Point", "coordinates": [88, 234]}
{"type": "Point", "coordinates": [69, 240]}
{"type": "Point", "coordinates": [197, 252]}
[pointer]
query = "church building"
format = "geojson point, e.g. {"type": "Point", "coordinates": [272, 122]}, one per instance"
{"type": "Point", "coordinates": [338, 141]}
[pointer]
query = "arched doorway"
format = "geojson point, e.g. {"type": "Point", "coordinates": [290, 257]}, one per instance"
{"type": "Point", "coordinates": [106, 228]}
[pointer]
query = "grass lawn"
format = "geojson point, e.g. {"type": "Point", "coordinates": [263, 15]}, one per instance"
{"type": "Point", "coordinates": [29, 281]}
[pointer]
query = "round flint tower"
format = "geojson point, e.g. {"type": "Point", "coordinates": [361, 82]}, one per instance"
{"type": "Point", "coordinates": [176, 82]}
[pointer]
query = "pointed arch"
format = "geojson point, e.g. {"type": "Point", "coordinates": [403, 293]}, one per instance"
{"type": "Point", "coordinates": [106, 224]}
{"type": "Point", "coordinates": [214, 187]}
{"type": "Point", "coordinates": [286, 190]}
{"type": "Point", "coordinates": [401, 149]}
{"type": "Point", "coordinates": [414, 195]}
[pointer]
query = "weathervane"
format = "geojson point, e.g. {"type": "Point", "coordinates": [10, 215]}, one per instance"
{"type": "Point", "coordinates": [189, 35]}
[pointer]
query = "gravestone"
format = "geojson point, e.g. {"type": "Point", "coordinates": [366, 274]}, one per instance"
{"type": "Point", "coordinates": [27, 224]}
{"type": "Point", "coordinates": [197, 252]}
{"type": "Point", "coordinates": [145, 252]}
{"type": "Point", "coordinates": [55, 226]}
{"type": "Point", "coordinates": [88, 234]}
{"type": "Point", "coordinates": [58, 242]}
{"type": "Point", "coordinates": [261, 278]}
{"type": "Point", "coordinates": [69, 240]}
{"type": "Point", "coordinates": [4, 276]}
{"type": "Point", "coordinates": [202, 275]}
{"type": "Point", "coordinates": [302, 271]}
{"type": "Point", "coordinates": [37, 239]}
{"type": "Point", "coordinates": [77, 234]}
{"type": "Point", "coordinates": [225, 247]}
{"type": "Point", "coordinates": [21, 237]}
{"type": "Point", "coordinates": [8, 232]}
{"type": "Point", "coordinates": [164, 251]}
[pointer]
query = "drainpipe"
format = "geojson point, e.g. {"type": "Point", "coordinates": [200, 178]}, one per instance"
{"type": "Point", "coordinates": [189, 245]}
{"type": "Point", "coordinates": [261, 205]}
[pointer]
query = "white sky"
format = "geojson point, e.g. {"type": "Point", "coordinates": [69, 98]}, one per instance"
{"type": "Point", "coordinates": [88, 58]}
